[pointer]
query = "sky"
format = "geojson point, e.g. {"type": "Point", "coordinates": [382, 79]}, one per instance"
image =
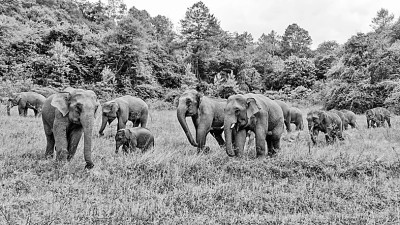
{"type": "Point", "coordinates": [325, 20]}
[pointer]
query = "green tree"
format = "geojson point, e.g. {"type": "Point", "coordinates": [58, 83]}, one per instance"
{"type": "Point", "coordinates": [296, 41]}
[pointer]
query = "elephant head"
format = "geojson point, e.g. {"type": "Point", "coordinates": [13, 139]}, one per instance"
{"type": "Point", "coordinates": [188, 105]}
{"type": "Point", "coordinates": [316, 122]}
{"type": "Point", "coordinates": [372, 120]}
{"type": "Point", "coordinates": [122, 138]}
{"type": "Point", "coordinates": [110, 110]}
{"type": "Point", "coordinates": [13, 101]}
{"type": "Point", "coordinates": [78, 107]}
{"type": "Point", "coordinates": [237, 115]}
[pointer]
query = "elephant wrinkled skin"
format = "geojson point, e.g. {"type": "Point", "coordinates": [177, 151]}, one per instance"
{"type": "Point", "coordinates": [66, 115]}
{"type": "Point", "coordinates": [296, 117]}
{"type": "Point", "coordinates": [376, 117]}
{"type": "Point", "coordinates": [25, 101]}
{"type": "Point", "coordinates": [350, 119]}
{"type": "Point", "coordinates": [132, 138]}
{"type": "Point", "coordinates": [342, 117]}
{"type": "Point", "coordinates": [257, 113]}
{"type": "Point", "coordinates": [124, 108]}
{"type": "Point", "coordinates": [326, 122]}
{"type": "Point", "coordinates": [207, 116]}
{"type": "Point", "coordinates": [286, 114]}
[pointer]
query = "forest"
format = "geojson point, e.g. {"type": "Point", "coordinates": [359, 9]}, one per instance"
{"type": "Point", "coordinates": [114, 50]}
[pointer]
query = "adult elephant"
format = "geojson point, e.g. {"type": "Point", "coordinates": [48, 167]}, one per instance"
{"type": "Point", "coordinates": [345, 122]}
{"type": "Point", "coordinates": [296, 117]}
{"type": "Point", "coordinates": [257, 113]}
{"type": "Point", "coordinates": [25, 101]}
{"type": "Point", "coordinates": [207, 116]}
{"type": "Point", "coordinates": [66, 115]}
{"type": "Point", "coordinates": [327, 122]}
{"type": "Point", "coordinates": [286, 114]}
{"type": "Point", "coordinates": [351, 119]}
{"type": "Point", "coordinates": [376, 117]}
{"type": "Point", "coordinates": [125, 108]}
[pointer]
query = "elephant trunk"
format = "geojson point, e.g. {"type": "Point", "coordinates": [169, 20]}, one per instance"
{"type": "Point", "coordinates": [9, 106]}
{"type": "Point", "coordinates": [103, 124]}
{"type": "Point", "coordinates": [181, 111]}
{"type": "Point", "coordinates": [228, 126]}
{"type": "Point", "coordinates": [87, 125]}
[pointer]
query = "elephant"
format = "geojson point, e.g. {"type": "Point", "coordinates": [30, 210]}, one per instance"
{"type": "Point", "coordinates": [296, 117]}
{"type": "Point", "coordinates": [286, 114]}
{"type": "Point", "coordinates": [66, 115]}
{"type": "Point", "coordinates": [345, 122]}
{"type": "Point", "coordinates": [207, 116]}
{"type": "Point", "coordinates": [351, 119]}
{"type": "Point", "coordinates": [257, 113]}
{"type": "Point", "coordinates": [130, 139]}
{"type": "Point", "coordinates": [327, 122]}
{"type": "Point", "coordinates": [124, 108]}
{"type": "Point", "coordinates": [25, 101]}
{"type": "Point", "coordinates": [376, 117]}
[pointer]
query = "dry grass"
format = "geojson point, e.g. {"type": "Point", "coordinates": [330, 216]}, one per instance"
{"type": "Point", "coordinates": [352, 182]}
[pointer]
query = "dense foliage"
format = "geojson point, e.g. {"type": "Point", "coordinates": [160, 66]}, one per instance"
{"type": "Point", "coordinates": [109, 48]}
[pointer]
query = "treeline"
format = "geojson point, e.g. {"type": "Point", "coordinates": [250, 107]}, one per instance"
{"type": "Point", "coordinates": [110, 48]}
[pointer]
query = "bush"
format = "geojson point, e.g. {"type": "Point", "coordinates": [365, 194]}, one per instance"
{"type": "Point", "coordinates": [147, 91]}
{"type": "Point", "coordinates": [171, 95]}
{"type": "Point", "coordinates": [358, 97]}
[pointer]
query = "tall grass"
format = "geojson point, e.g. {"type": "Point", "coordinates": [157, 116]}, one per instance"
{"type": "Point", "coordinates": [351, 182]}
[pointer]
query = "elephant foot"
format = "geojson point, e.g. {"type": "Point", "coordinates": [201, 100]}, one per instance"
{"type": "Point", "coordinates": [61, 155]}
{"type": "Point", "coordinates": [204, 150]}
{"type": "Point", "coordinates": [89, 165]}
{"type": "Point", "coordinates": [69, 157]}
{"type": "Point", "coordinates": [271, 153]}
{"type": "Point", "coordinates": [252, 154]}
{"type": "Point", "coordinates": [49, 156]}
{"type": "Point", "coordinates": [101, 134]}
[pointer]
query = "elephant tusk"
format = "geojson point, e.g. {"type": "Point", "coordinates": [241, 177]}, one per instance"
{"type": "Point", "coordinates": [232, 126]}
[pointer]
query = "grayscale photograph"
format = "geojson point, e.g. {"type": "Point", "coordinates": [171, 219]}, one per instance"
{"type": "Point", "coordinates": [199, 112]}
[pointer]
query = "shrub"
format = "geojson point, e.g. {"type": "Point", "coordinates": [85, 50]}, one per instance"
{"type": "Point", "coordinates": [358, 97]}
{"type": "Point", "coordinates": [147, 91]}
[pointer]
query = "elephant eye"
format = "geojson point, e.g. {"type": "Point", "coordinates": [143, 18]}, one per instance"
{"type": "Point", "coordinates": [188, 102]}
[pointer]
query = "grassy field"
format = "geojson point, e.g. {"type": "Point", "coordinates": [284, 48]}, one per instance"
{"type": "Point", "coordinates": [356, 181]}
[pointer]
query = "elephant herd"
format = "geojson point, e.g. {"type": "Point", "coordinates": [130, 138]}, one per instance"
{"type": "Point", "coordinates": [69, 114]}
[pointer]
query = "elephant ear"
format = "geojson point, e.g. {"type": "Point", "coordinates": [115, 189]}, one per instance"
{"type": "Point", "coordinates": [252, 107]}
{"type": "Point", "coordinates": [128, 134]}
{"type": "Point", "coordinates": [114, 107]}
{"type": "Point", "coordinates": [323, 116]}
{"type": "Point", "coordinates": [17, 99]}
{"type": "Point", "coordinates": [61, 102]}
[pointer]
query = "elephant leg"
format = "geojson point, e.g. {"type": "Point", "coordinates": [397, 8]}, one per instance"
{"type": "Point", "coordinates": [260, 141]}
{"type": "Point", "coordinates": [36, 112]}
{"type": "Point", "coordinates": [287, 124]}
{"type": "Point", "coordinates": [388, 121]}
{"type": "Point", "coordinates": [201, 135]}
{"type": "Point", "coordinates": [121, 124]}
{"type": "Point", "coordinates": [240, 141]}
{"type": "Point", "coordinates": [21, 110]}
{"type": "Point", "coordinates": [143, 120]}
{"type": "Point", "coordinates": [314, 136]}
{"type": "Point", "coordinates": [50, 145]}
{"type": "Point", "coordinates": [217, 134]}
{"type": "Point", "coordinates": [74, 136]}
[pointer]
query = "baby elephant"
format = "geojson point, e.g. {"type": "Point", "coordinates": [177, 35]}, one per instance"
{"type": "Point", "coordinates": [132, 138]}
